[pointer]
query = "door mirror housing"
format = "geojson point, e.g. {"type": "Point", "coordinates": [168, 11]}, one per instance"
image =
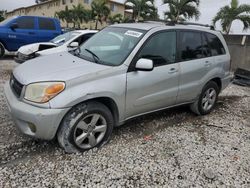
{"type": "Point", "coordinates": [73, 45]}
{"type": "Point", "coordinates": [13, 26]}
{"type": "Point", "coordinates": [144, 65]}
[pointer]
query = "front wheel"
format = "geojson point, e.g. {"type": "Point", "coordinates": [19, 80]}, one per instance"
{"type": "Point", "coordinates": [86, 126]}
{"type": "Point", "coordinates": [207, 99]}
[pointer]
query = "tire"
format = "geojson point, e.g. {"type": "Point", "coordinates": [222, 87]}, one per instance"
{"type": "Point", "coordinates": [2, 50]}
{"type": "Point", "coordinates": [85, 126]}
{"type": "Point", "coordinates": [207, 99]}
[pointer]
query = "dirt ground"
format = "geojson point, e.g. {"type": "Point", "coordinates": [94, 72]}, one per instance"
{"type": "Point", "coordinates": [171, 148]}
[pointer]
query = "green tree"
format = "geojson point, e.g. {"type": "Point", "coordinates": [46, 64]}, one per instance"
{"type": "Point", "coordinates": [65, 15]}
{"type": "Point", "coordinates": [151, 14]}
{"type": "Point", "coordinates": [228, 14]}
{"type": "Point", "coordinates": [40, 1]}
{"type": "Point", "coordinates": [117, 18]}
{"type": "Point", "coordinates": [2, 12]}
{"type": "Point", "coordinates": [140, 7]}
{"type": "Point", "coordinates": [180, 10]}
{"type": "Point", "coordinates": [100, 11]}
{"type": "Point", "coordinates": [80, 14]}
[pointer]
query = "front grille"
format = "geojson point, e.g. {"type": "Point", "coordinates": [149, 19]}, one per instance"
{"type": "Point", "coordinates": [16, 86]}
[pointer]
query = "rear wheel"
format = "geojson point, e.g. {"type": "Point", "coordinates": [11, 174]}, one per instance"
{"type": "Point", "coordinates": [207, 99]}
{"type": "Point", "coordinates": [86, 126]}
{"type": "Point", "coordinates": [2, 50]}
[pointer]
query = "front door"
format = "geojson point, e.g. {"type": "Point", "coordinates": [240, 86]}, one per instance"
{"type": "Point", "coordinates": [25, 33]}
{"type": "Point", "coordinates": [151, 90]}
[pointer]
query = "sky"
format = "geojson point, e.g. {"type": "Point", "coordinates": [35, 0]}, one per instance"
{"type": "Point", "coordinates": [208, 9]}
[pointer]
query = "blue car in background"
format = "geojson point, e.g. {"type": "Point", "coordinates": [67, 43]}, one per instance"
{"type": "Point", "coordinates": [21, 30]}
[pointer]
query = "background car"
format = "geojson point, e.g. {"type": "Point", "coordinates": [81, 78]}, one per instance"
{"type": "Point", "coordinates": [21, 30]}
{"type": "Point", "coordinates": [65, 42]}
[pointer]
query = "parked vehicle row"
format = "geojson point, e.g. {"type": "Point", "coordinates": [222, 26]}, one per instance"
{"type": "Point", "coordinates": [65, 42]}
{"type": "Point", "coordinates": [122, 72]}
{"type": "Point", "coordinates": [21, 30]}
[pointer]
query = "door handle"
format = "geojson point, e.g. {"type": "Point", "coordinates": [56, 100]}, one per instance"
{"type": "Point", "coordinates": [172, 70]}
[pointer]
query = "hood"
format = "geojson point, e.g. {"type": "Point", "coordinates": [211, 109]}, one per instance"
{"type": "Point", "coordinates": [31, 48]}
{"type": "Point", "coordinates": [57, 67]}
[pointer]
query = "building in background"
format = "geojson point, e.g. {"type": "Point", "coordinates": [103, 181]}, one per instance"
{"type": "Point", "coordinates": [49, 8]}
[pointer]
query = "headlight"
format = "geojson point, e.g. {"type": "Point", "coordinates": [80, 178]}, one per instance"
{"type": "Point", "coordinates": [44, 91]}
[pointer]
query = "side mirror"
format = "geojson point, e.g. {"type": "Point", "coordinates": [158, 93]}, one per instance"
{"type": "Point", "coordinates": [74, 45]}
{"type": "Point", "coordinates": [13, 26]}
{"type": "Point", "coordinates": [144, 65]}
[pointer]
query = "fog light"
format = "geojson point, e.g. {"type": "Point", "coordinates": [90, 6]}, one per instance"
{"type": "Point", "coordinates": [32, 127]}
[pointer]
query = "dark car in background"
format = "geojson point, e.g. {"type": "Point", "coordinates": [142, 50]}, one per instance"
{"type": "Point", "coordinates": [22, 30]}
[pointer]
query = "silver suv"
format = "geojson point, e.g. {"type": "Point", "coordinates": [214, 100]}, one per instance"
{"type": "Point", "coordinates": [123, 71]}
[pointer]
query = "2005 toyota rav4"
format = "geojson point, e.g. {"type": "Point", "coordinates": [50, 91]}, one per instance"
{"type": "Point", "coordinates": [123, 71]}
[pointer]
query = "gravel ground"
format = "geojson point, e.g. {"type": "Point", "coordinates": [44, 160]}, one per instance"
{"type": "Point", "coordinates": [172, 148]}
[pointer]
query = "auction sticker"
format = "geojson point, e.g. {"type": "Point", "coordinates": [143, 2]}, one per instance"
{"type": "Point", "coordinates": [133, 33]}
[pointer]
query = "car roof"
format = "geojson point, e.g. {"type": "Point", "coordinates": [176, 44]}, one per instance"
{"type": "Point", "coordinates": [154, 24]}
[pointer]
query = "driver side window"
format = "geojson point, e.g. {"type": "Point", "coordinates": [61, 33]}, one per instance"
{"type": "Point", "coordinates": [161, 48]}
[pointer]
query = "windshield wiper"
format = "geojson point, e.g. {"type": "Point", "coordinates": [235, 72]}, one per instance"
{"type": "Point", "coordinates": [95, 57]}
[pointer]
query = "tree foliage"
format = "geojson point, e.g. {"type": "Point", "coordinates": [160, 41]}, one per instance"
{"type": "Point", "coordinates": [117, 18]}
{"type": "Point", "coordinates": [228, 14]}
{"type": "Point", "coordinates": [2, 12]}
{"type": "Point", "coordinates": [181, 10]}
{"type": "Point", "coordinates": [100, 11]}
{"type": "Point", "coordinates": [142, 9]}
{"type": "Point", "coordinates": [40, 1]}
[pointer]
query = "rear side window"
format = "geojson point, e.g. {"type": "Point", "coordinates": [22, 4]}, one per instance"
{"type": "Point", "coordinates": [190, 45]}
{"type": "Point", "coordinates": [215, 45]}
{"type": "Point", "coordinates": [161, 48]}
{"type": "Point", "coordinates": [46, 24]}
{"type": "Point", "coordinates": [25, 23]}
{"type": "Point", "coordinates": [206, 47]}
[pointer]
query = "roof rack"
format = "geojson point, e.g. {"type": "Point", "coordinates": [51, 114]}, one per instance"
{"type": "Point", "coordinates": [196, 24]}
{"type": "Point", "coordinates": [190, 23]}
{"type": "Point", "coordinates": [173, 23]}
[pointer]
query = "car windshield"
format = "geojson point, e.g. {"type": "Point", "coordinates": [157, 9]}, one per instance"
{"type": "Point", "coordinates": [61, 39]}
{"type": "Point", "coordinates": [111, 46]}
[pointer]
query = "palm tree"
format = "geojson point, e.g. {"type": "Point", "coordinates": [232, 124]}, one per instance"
{"type": "Point", "coordinates": [2, 13]}
{"type": "Point", "coordinates": [40, 1]}
{"type": "Point", "coordinates": [140, 7]}
{"type": "Point", "coordinates": [228, 14]}
{"type": "Point", "coordinates": [117, 18]}
{"type": "Point", "coordinates": [180, 10]}
{"type": "Point", "coordinates": [151, 14]}
{"type": "Point", "coordinates": [65, 15]}
{"type": "Point", "coordinates": [100, 11]}
{"type": "Point", "coordinates": [79, 14]}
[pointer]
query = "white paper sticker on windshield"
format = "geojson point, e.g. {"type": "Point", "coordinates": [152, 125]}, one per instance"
{"type": "Point", "coordinates": [133, 33]}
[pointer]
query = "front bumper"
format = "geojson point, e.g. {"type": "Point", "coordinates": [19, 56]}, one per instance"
{"type": "Point", "coordinates": [33, 121]}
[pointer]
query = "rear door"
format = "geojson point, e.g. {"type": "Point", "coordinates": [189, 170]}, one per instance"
{"type": "Point", "coordinates": [25, 32]}
{"type": "Point", "coordinates": [152, 90]}
{"type": "Point", "coordinates": [194, 64]}
{"type": "Point", "coordinates": [47, 29]}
